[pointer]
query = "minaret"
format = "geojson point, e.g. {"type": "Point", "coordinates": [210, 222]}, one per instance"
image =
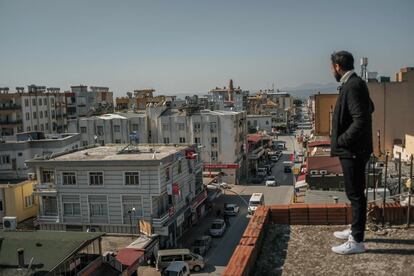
{"type": "Point", "coordinates": [231, 90]}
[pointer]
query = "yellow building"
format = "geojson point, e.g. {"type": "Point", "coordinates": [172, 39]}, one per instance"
{"type": "Point", "coordinates": [17, 200]}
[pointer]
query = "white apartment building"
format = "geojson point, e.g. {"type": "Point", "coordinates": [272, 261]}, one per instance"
{"type": "Point", "coordinates": [259, 123]}
{"type": "Point", "coordinates": [114, 128]}
{"type": "Point", "coordinates": [220, 134]}
{"type": "Point", "coordinates": [38, 109]}
{"type": "Point", "coordinates": [83, 102]}
{"type": "Point", "coordinates": [113, 190]}
{"type": "Point", "coordinates": [13, 154]}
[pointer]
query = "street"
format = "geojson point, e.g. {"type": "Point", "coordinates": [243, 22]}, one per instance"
{"type": "Point", "coordinates": [222, 248]}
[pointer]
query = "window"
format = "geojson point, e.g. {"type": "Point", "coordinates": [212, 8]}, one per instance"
{"type": "Point", "coordinates": [98, 206]}
{"type": "Point", "coordinates": [20, 154]}
{"type": "Point", "coordinates": [71, 205]}
{"type": "Point", "coordinates": [214, 140]}
{"type": "Point", "coordinates": [52, 101]}
{"type": "Point", "coordinates": [68, 178]}
{"type": "Point", "coordinates": [40, 101]}
{"type": "Point", "coordinates": [49, 205]}
{"type": "Point", "coordinates": [197, 140]}
{"type": "Point", "coordinates": [48, 176]}
{"type": "Point", "coordinates": [28, 128]}
{"type": "Point", "coordinates": [128, 203]}
{"type": "Point", "coordinates": [28, 201]}
{"type": "Point", "coordinates": [1, 205]}
{"type": "Point", "coordinates": [182, 139]}
{"type": "Point", "coordinates": [99, 129]}
{"type": "Point", "coordinates": [196, 127]}
{"type": "Point", "coordinates": [180, 126]}
{"type": "Point", "coordinates": [27, 116]}
{"type": "Point", "coordinates": [44, 101]}
{"type": "Point", "coordinates": [42, 127]}
{"type": "Point", "coordinates": [83, 129]}
{"type": "Point", "coordinates": [45, 114]}
{"type": "Point", "coordinates": [34, 102]}
{"type": "Point", "coordinates": [214, 154]}
{"type": "Point", "coordinates": [267, 122]}
{"type": "Point", "coordinates": [5, 159]}
{"type": "Point", "coordinates": [213, 127]}
{"type": "Point", "coordinates": [84, 143]}
{"type": "Point", "coordinates": [180, 169]}
{"type": "Point", "coordinates": [117, 141]}
{"type": "Point", "coordinates": [95, 178]}
{"type": "Point", "coordinates": [135, 127]}
{"type": "Point", "coordinates": [166, 140]}
{"type": "Point", "coordinates": [41, 114]}
{"type": "Point", "coordinates": [34, 115]}
{"type": "Point", "coordinates": [117, 128]}
{"type": "Point", "coordinates": [26, 102]}
{"type": "Point", "coordinates": [167, 174]}
{"type": "Point", "coordinates": [131, 178]}
{"type": "Point", "coordinates": [164, 127]}
{"type": "Point", "coordinates": [47, 126]}
{"type": "Point", "coordinates": [35, 127]}
{"type": "Point", "coordinates": [53, 114]}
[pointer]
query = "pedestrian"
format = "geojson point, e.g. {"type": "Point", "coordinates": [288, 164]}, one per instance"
{"type": "Point", "coordinates": [351, 141]}
{"type": "Point", "coordinates": [226, 219]}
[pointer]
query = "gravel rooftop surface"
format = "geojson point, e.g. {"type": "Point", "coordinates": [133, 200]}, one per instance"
{"type": "Point", "coordinates": [306, 250]}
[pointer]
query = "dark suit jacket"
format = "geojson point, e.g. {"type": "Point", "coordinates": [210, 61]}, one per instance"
{"type": "Point", "coordinates": [352, 120]}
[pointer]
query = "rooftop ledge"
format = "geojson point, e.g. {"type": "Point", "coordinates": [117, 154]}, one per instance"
{"type": "Point", "coordinates": [296, 239]}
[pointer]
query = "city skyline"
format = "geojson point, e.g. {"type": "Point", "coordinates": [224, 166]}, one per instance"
{"type": "Point", "coordinates": [193, 47]}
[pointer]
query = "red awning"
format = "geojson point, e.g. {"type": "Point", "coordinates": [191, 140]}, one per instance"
{"type": "Point", "coordinates": [319, 143]}
{"type": "Point", "coordinates": [254, 138]}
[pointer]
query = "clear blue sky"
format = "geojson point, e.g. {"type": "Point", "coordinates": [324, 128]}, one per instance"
{"type": "Point", "coordinates": [193, 46]}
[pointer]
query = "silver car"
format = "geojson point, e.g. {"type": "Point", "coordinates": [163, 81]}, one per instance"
{"type": "Point", "coordinates": [217, 228]}
{"type": "Point", "coordinates": [231, 209]}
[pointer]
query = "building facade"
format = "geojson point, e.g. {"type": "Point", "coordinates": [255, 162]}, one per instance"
{"type": "Point", "coordinates": [112, 190]}
{"type": "Point", "coordinates": [38, 109]}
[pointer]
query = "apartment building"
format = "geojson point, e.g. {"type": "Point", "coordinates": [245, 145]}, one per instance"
{"type": "Point", "coordinates": [81, 101]}
{"type": "Point", "coordinates": [228, 98]}
{"type": "Point", "coordinates": [38, 109]}
{"type": "Point", "coordinates": [259, 123]}
{"type": "Point", "coordinates": [27, 145]}
{"type": "Point", "coordinates": [113, 128]}
{"type": "Point", "coordinates": [117, 188]}
{"type": "Point", "coordinates": [220, 134]}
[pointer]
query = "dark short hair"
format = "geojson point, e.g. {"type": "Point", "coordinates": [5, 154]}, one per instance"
{"type": "Point", "coordinates": [344, 59]}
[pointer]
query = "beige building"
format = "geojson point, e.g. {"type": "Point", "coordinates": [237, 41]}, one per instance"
{"type": "Point", "coordinates": [323, 110]}
{"type": "Point", "coordinates": [394, 113]}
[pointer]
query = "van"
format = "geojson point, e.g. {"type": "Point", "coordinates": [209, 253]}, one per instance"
{"type": "Point", "coordinates": [287, 166]}
{"type": "Point", "coordinates": [167, 256]}
{"type": "Point", "coordinates": [177, 269]}
{"type": "Point", "coordinates": [256, 200]}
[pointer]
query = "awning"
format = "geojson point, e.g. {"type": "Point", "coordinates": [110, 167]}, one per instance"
{"type": "Point", "coordinates": [198, 200]}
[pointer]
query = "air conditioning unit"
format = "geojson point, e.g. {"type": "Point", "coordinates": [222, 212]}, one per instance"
{"type": "Point", "coordinates": [31, 176]}
{"type": "Point", "coordinates": [93, 229]}
{"type": "Point", "coordinates": [313, 172]}
{"type": "Point", "coordinates": [9, 223]}
{"type": "Point", "coordinates": [323, 172]}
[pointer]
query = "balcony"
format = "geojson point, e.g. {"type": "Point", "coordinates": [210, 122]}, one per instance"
{"type": "Point", "coordinates": [11, 122]}
{"type": "Point", "coordinates": [161, 220]}
{"type": "Point", "coordinates": [11, 107]}
{"type": "Point", "coordinates": [45, 189]}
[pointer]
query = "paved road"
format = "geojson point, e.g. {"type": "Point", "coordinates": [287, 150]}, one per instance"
{"type": "Point", "coordinates": [219, 255]}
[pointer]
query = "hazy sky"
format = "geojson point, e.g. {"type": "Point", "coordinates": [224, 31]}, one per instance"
{"type": "Point", "coordinates": [193, 46]}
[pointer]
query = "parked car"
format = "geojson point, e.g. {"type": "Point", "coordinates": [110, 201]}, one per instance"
{"type": "Point", "coordinates": [271, 181]}
{"type": "Point", "coordinates": [275, 158]}
{"type": "Point", "coordinates": [201, 245]}
{"type": "Point", "coordinates": [231, 209]}
{"type": "Point", "coordinates": [167, 256]}
{"type": "Point", "coordinates": [217, 228]}
{"type": "Point", "coordinates": [178, 268]}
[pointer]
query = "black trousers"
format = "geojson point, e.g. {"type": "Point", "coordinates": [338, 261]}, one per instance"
{"type": "Point", "coordinates": [354, 176]}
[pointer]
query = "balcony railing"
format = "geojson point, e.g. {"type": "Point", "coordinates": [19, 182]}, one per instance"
{"type": "Point", "coordinates": [45, 188]}
{"type": "Point", "coordinates": [159, 222]}
{"type": "Point", "coordinates": [11, 122]}
{"type": "Point", "coordinates": [11, 107]}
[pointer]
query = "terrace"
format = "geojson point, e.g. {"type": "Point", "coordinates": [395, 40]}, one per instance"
{"type": "Point", "coordinates": [296, 239]}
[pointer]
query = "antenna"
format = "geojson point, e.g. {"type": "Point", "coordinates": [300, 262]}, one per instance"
{"type": "Point", "coordinates": [364, 65]}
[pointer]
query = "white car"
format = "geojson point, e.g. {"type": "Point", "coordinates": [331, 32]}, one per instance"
{"type": "Point", "coordinates": [271, 181]}
{"type": "Point", "coordinates": [231, 209]}
{"type": "Point", "coordinates": [217, 228]}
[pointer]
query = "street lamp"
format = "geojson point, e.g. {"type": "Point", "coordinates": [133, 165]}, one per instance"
{"type": "Point", "coordinates": [130, 211]}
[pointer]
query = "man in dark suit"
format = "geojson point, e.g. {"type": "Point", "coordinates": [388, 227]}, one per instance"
{"type": "Point", "coordinates": [351, 141]}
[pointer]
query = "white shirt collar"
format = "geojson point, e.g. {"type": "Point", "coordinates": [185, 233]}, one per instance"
{"type": "Point", "coordinates": [346, 76]}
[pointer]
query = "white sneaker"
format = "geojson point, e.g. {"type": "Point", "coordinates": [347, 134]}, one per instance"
{"type": "Point", "coordinates": [349, 247]}
{"type": "Point", "coordinates": [343, 235]}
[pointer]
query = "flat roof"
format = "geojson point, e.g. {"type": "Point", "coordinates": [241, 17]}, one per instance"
{"type": "Point", "coordinates": [111, 153]}
{"type": "Point", "coordinates": [48, 248]}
